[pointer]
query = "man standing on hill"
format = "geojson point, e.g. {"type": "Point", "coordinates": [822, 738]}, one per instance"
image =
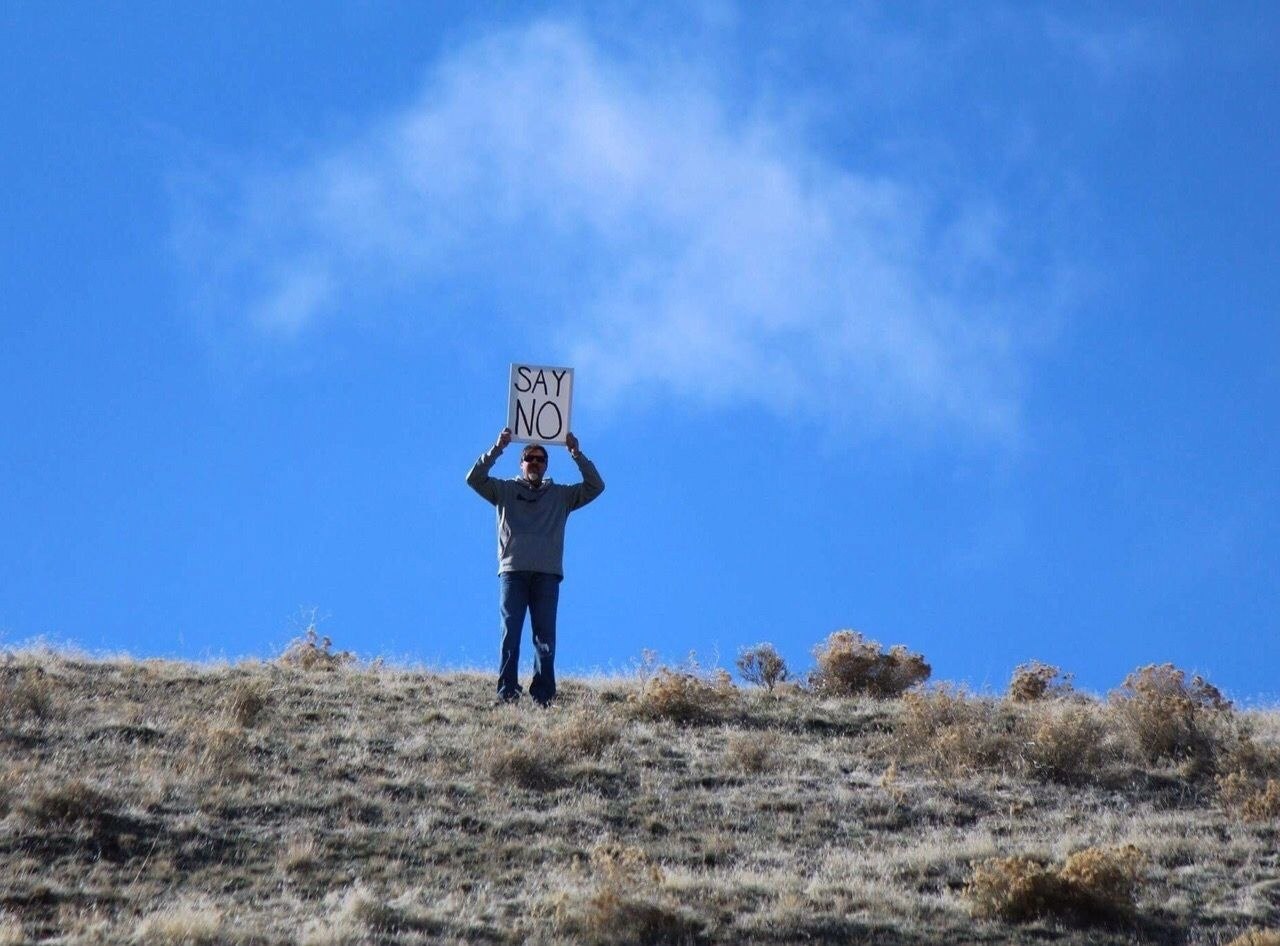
{"type": "Point", "coordinates": [532, 513]}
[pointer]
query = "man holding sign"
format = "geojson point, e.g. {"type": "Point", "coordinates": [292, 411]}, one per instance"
{"type": "Point", "coordinates": [532, 513]}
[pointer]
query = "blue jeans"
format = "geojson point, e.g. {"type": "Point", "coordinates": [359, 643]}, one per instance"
{"type": "Point", "coordinates": [539, 594]}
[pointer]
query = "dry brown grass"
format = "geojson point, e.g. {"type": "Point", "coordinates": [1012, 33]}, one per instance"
{"type": "Point", "coordinates": [1257, 938]}
{"type": "Point", "coordinates": [1249, 798]}
{"type": "Point", "coordinates": [260, 804]}
{"type": "Point", "coordinates": [849, 664]}
{"type": "Point", "coordinates": [953, 732]}
{"type": "Point", "coordinates": [1069, 742]}
{"type": "Point", "coordinates": [625, 903]}
{"type": "Point", "coordinates": [183, 923]}
{"type": "Point", "coordinates": [26, 693]}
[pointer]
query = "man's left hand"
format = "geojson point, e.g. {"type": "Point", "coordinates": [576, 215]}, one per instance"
{"type": "Point", "coordinates": [571, 442]}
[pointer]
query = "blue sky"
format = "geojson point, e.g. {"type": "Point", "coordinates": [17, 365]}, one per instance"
{"type": "Point", "coordinates": [954, 324]}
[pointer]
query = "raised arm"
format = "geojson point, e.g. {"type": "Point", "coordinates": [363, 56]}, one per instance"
{"type": "Point", "coordinates": [479, 478]}
{"type": "Point", "coordinates": [592, 485]}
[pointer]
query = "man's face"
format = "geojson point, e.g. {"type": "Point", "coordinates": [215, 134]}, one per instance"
{"type": "Point", "coordinates": [534, 465]}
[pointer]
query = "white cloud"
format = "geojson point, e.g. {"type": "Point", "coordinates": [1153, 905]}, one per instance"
{"type": "Point", "coordinates": [682, 247]}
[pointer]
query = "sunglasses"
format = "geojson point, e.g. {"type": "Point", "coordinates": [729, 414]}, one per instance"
{"type": "Point", "coordinates": [536, 458]}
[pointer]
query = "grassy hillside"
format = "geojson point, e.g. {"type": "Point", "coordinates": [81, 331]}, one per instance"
{"type": "Point", "coordinates": [319, 801]}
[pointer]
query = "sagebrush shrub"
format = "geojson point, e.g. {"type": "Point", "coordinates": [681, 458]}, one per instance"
{"type": "Point", "coordinates": [1094, 885]}
{"type": "Point", "coordinates": [682, 696]}
{"type": "Point", "coordinates": [763, 666]}
{"type": "Point", "coordinates": [1169, 717]}
{"type": "Point", "coordinates": [1035, 681]}
{"type": "Point", "coordinates": [851, 665]}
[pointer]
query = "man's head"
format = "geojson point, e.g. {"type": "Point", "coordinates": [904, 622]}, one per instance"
{"type": "Point", "coordinates": [533, 463]}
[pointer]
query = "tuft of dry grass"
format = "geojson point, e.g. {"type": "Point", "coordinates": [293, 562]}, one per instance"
{"type": "Point", "coordinates": [26, 693]}
{"type": "Point", "coordinates": [1095, 885]}
{"type": "Point", "coordinates": [543, 758]}
{"type": "Point", "coordinates": [752, 752]}
{"type": "Point", "coordinates": [585, 731]}
{"type": "Point", "coordinates": [626, 904]}
{"type": "Point", "coordinates": [246, 703]}
{"type": "Point", "coordinates": [67, 804]}
{"type": "Point", "coordinates": [183, 923]}
{"type": "Point", "coordinates": [851, 665]}
{"type": "Point", "coordinates": [361, 914]}
{"type": "Point", "coordinates": [11, 933]}
{"type": "Point", "coordinates": [952, 732]}
{"type": "Point", "coordinates": [1257, 937]}
{"type": "Point", "coordinates": [1068, 742]}
{"type": "Point", "coordinates": [531, 760]}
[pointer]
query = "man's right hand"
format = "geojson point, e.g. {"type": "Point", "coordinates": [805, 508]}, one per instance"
{"type": "Point", "coordinates": [504, 438]}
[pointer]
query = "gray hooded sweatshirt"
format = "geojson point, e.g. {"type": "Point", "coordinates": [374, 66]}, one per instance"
{"type": "Point", "coordinates": [531, 521]}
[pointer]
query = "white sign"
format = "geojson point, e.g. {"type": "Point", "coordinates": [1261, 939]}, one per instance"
{"type": "Point", "coordinates": [538, 403]}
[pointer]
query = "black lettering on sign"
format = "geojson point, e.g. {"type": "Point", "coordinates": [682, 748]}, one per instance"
{"type": "Point", "coordinates": [524, 422]}
{"type": "Point", "coordinates": [538, 402]}
{"type": "Point", "coordinates": [544, 431]}
{"type": "Point", "coordinates": [545, 422]}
